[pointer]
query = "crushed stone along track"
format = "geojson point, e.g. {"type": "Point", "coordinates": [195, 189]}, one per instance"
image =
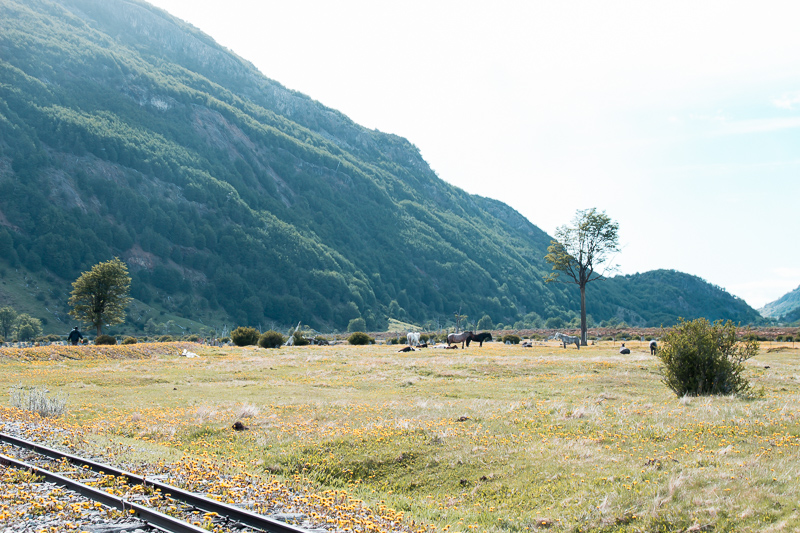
{"type": "Point", "coordinates": [140, 503]}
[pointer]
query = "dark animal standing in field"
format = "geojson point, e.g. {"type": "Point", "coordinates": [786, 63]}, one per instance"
{"type": "Point", "coordinates": [623, 350]}
{"type": "Point", "coordinates": [480, 337]}
{"type": "Point", "coordinates": [238, 426]}
{"type": "Point", "coordinates": [653, 347]}
{"type": "Point", "coordinates": [455, 338]}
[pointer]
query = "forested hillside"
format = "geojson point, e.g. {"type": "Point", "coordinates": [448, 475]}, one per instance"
{"type": "Point", "coordinates": [126, 132]}
{"type": "Point", "coordinates": [785, 308]}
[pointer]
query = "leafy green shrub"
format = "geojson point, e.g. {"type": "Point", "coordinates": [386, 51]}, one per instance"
{"type": "Point", "coordinates": [129, 340]}
{"type": "Point", "coordinates": [359, 338]}
{"type": "Point", "coordinates": [393, 340]}
{"type": "Point", "coordinates": [105, 339]}
{"type": "Point", "coordinates": [192, 338]}
{"type": "Point", "coordinates": [225, 340]}
{"type": "Point", "coordinates": [243, 336]}
{"type": "Point", "coordinates": [321, 341]}
{"type": "Point", "coordinates": [701, 358]}
{"type": "Point", "coordinates": [424, 337]}
{"type": "Point", "coordinates": [299, 340]}
{"type": "Point", "coordinates": [271, 339]}
{"type": "Point", "coordinates": [166, 338]}
{"type": "Point", "coordinates": [513, 339]}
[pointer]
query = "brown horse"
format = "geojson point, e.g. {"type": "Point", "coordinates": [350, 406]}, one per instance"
{"type": "Point", "coordinates": [455, 338]}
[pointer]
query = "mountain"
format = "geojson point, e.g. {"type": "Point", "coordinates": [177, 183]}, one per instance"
{"type": "Point", "coordinates": [785, 308]}
{"type": "Point", "coordinates": [657, 297]}
{"type": "Point", "coordinates": [127, 132]}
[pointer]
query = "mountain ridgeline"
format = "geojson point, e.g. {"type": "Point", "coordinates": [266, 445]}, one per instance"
{"type": "Point", "coordinates": [786, 308]}
{"type": "Point", "coordinates": [126, 132]}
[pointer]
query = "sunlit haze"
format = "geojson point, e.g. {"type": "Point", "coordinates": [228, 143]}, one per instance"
{"type": "Point", "coordinates": [681, 120]}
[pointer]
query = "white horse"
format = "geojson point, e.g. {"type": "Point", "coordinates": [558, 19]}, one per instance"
{"type": "Point", "coordinates": [568, 339]}
{"type": "Point", "coordinates": [413, 338]}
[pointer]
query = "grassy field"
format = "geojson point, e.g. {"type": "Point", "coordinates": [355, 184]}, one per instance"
{"type": "Point", "coordinates": [498, 438]}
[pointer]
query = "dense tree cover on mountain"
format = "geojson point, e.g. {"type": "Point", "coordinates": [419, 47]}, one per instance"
{"type": "Point", "coordinates": [126, 132]}
{"type": "Point", "coordinates": [786, 308]}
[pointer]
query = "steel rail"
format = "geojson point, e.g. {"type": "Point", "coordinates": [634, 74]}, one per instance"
{"type": "Point", "coordinates": [151, 516]}
{"type": "Point", "coordinates": [233, 513]}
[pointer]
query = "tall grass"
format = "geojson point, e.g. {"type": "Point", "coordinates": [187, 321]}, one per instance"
{"type": "Point", "coordinates": [36, 400]}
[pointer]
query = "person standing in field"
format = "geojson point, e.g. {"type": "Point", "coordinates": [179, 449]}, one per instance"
{"type": "Point", "coordinates": [74, 336]}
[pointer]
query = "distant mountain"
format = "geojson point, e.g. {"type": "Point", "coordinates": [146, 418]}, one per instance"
{"type": "Point", "coordinates": [787, 307]}
{"type": "Point", "coordinates": [126, 132]}
{"type": "Point", "coordinates": [658, 297]}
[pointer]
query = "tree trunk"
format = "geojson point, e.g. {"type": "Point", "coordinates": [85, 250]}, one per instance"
{"type": "Point", "coordinates": [583, 314]}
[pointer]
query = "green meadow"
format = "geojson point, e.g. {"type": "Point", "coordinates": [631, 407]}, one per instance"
{"type": "Point", "coordinates": [498, 438]}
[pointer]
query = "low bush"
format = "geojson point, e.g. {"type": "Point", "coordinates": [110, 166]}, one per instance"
{"type": "Point", "coordinates": [359, 338]}
{"type": "Point", "coordinates": [243, 336]}
{"type": "Point", "coordinates": [701, 358]}
{"type": "Point", "coordinates": [271, 339]}
{"type": "Point", "coordinates": [299, 340]}
{"type": "Point", "coordinates": [129, 340]}
{"type": "Point", "coordinates": [513, 339]}
{"type": "Point", "coordinates": [321, 341]}
{"type": "Point", "coordinates": [166, 338]}
{"type": "Point", "coordinates": [105, 339]}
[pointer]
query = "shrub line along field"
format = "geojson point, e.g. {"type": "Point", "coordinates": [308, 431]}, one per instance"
{"type": "Point", "coordinates": [498, 438]}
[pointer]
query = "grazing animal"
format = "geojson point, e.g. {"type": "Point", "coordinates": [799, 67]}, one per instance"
{"type": "Point", "coordinates": [480, 337]}
{"type": "Point", "coordinates": [568, 339]}
{"type": "Point", "coordinates": [413, 338]}
{"type": "Point", "coordinates": [623, 350]}
{"type": "Point", "coordinates": [653, 347]}
{"type": "Point", "coordinates": [455, 338]}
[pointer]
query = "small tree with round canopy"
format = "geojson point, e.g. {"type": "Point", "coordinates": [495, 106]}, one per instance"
{"type": "Point", "coordinates": [101, 295]}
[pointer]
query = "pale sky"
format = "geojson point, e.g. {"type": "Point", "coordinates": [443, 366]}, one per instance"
{"type": "Point", "coordinates": [679, 119]}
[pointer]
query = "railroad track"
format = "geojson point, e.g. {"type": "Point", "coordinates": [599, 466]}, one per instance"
{"type": "Point", "coordinates": [233, 517]}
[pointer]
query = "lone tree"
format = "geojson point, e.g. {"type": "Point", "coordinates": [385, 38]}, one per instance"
{"type": "Point", "coordinates": [578, 250]}
{"type": "Point", "coordinates": [101, 295]}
